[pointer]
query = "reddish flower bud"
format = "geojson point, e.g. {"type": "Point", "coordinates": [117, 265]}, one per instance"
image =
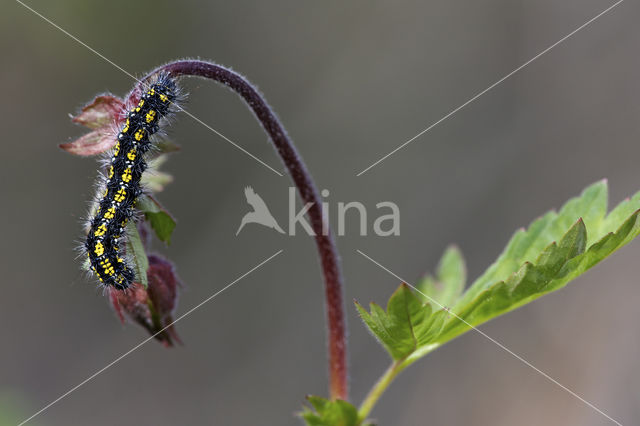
{"type": "Point", "coordinates": [151, 307]}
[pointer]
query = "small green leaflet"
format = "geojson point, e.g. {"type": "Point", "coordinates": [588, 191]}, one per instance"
{"type": "Point", "coordinates": [135, 249]}
{"type": "Point", "coordinates": [407, 325]}
{"type": "Point", "coordinates": [154, 179]}
{"type": "Point", "coordinates": [160, 220]}
{"type": "Point", "coordinates": [329, 413]}
{"type": "Point", "coordinates": [450, 279]}
{"type": "Point", "coordinates": [555, 249]}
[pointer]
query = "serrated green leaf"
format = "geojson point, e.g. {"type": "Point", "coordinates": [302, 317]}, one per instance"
{"type": "Point", "coordinates": [160, 220]}
{"type": "Point", "coordinates": [592, 237]}
{"type": "Point", "coordinates": [526, 245]}
{"type": "Point", "coordinates": [555, 249]}
{"type": "Point", "coordinates": [329, 413]}
{"type": "Point", "coordinates": [406, 325]}
{"type": "Point", "coordinates": [450, 279]}
{"type": "Point", "coordinates": [135, 249]}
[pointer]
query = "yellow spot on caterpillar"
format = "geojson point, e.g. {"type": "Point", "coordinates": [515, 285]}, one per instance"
{"type": "Point", "coordinates": [125, 129]}
{"type": "Point", "coordinates": [100, 230]}
{"type": "Point", "coordinates": [126, 176]}
{"type": "Point", "coordinates": [151, 92]}
{"type": "Point", "coordinates": [139, 134]}
{"type": "Point", "coordinates": [106, 191]}
{"type": "Point", "coordinates": [141, 103]}
{"type": "Point", "coordinates": [163, 97]}
{"type": "Point", "coordinates": [106, 266]}
{"type": "Point", "coordinates": [99, 249]}
{"type": "Point", "coordinates": [132, 154]}
{"type": "Point", "coordinates": [151, 115]}
{"type": "Point", "coordinates": [110, 172]}
{"type": "Point", "coordinates": [116, 149]}
{"type": "Point", "coordinates": [110, 214]}
{"type": "Point", "coordinates": [120, 195]}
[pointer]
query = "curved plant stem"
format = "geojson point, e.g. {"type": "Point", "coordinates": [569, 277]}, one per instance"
{"type": "Point", "coordinates": [338, 386]}
{"type": "Point", "coordinates": [378, 389]}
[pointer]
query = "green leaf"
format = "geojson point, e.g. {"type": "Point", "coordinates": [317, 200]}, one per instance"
{"type": "Point", "coordinates": [555, 249]}
{"type": "Point", "coordinates": [154, 179]}
{"type": "Point", "coordinates": [165, 146]}
{"type": "Point", "coordinates": [525, 245]}
{"type": "Point", "coordinates": [449, 282]}
{"type": "Point", "coordinates": [135, 249]}
{"type": "Point", "coordinates": [13, 408]}
{"type": "Point", "coordinates": [329, 413]}
{"type": "Point", "coordinates": [407, 324]}
{"type": "Point", "coordinates": [160, 220]}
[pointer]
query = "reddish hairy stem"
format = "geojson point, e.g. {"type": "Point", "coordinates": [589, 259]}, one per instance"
{"type": "Point", "coordinates": [338, 386]}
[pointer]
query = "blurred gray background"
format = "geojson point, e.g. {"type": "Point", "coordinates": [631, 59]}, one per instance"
{"type": "Point", "coordinates": [350, 81]}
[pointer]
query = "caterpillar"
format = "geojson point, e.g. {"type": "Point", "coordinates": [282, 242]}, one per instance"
{"type": "Point", "coordinates": [121, 188]}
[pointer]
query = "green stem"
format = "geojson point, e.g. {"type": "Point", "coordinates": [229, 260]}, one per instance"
{"type": "Point", "coordinates": [378, 389]}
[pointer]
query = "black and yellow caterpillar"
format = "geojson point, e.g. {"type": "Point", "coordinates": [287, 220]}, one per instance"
{"type": "Point", "coordinates": [105, 241]}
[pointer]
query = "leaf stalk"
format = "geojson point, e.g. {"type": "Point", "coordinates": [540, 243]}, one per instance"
{"type": "Point", "coordinates": [378, 389]}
